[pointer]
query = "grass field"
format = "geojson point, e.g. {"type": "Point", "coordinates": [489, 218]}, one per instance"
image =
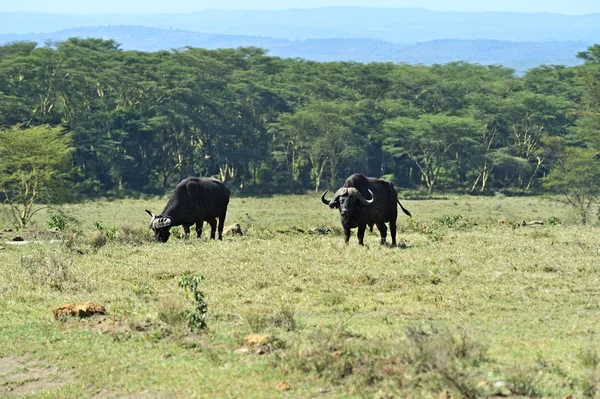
{"type": "Point", "coordinates": [468, 305]}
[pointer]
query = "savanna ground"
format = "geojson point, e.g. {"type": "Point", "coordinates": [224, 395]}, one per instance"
{"type": "Point", "coordinates": [466, 304]}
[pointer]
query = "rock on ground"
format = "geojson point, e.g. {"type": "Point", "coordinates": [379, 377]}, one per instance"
{"type": "Point", "coordinates": [233, 230]}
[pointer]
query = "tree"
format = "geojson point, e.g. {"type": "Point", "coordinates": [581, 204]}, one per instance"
{"type": "Point", "coordinates": [576, 179]}
{"type": "Point", "coordinates": [531, 119]}
{"type": "Point", "coordinates": [591, 56]}
{"type": "Point", "coordinates": [429, 140]}
{"type": "Point", "coordinates": [322, 133]}
{"type": "Point", "coordinates": [35, 163]}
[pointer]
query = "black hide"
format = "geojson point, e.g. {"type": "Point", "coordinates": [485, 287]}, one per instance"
{"type": "Point", "coordinates": [356, 213]}
{"type": "Point", "coordinates": [196, 200]}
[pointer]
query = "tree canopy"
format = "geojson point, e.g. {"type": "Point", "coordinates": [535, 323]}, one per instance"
{"type": "Point", "coordinates": [139, 122]}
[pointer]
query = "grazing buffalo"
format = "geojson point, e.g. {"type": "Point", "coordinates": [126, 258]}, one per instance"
{"type": "Point", "coordinates": [196, 200]}
{"type": "Point", "coordinates": [366, 201]}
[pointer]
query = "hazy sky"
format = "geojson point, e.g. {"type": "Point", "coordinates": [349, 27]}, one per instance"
{"type": "Point", "coordinates": [162, 6]}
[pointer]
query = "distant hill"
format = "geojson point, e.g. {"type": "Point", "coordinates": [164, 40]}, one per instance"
{"type": "Point", "coordinates": [151, 39]}
{"type": "Point", "coordinates": [518, 55]}
{"type": "Point", "coordinates": [395, 25]}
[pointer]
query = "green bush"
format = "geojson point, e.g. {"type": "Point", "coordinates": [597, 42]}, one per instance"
{"type": "Point", "coordinates": [197, 317]}
{"type": "Point", "coordinates": [58, 221]}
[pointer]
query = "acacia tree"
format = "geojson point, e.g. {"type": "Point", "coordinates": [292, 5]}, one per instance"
{"type": "Point", "coordinates": [576, 178]}
{"type": "Point", "coordinates": [531, 119]}
{"type": "Point", "coordinates": [322, 133]}
{"type": "Point", "coordinates": [34, 166]}
{"type": "Point", "coordinates": [428, 141]}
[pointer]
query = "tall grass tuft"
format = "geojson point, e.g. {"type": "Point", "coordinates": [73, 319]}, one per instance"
{"type": "Point", "coordinates": [51, 269]}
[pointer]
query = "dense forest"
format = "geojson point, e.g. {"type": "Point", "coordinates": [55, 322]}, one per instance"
{"type": "Point", "coordinates": [141, 121]}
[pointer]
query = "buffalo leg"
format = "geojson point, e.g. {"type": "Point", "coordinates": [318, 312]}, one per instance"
{"type": "Point", "coordinates": [221, 224]}
{"type": "Point", "coordinates": [186, 232]}
{"type": "Point", "coordinates": [213, 228]}
{"type": "Point", "coordinates": [346, 234]}
{"type": "Point", "coordinates": [361, 234]}
{"type": "Point", "coordinates": [393, 232]}
{"type": "Point", "coordinates": [199, 224]}
{"type": "Point", "coordinates": [383, 231]}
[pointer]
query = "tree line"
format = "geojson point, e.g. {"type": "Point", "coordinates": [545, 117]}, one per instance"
{"type": "Point", "coordinates": [139, 122]}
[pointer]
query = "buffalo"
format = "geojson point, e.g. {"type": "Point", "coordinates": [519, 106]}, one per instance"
{"type": "Point", "coordinates": [196, 200]}
{"type": "Point", "coordinates": [366, 201]}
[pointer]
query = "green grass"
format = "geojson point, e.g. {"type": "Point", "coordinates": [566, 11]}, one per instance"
{"type": "Point", "coordinates": [467, 301]}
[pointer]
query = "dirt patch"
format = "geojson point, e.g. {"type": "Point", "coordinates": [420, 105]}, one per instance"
{"type": "Point", "coordinates": [21, 376]}
{"type": "Point", "coordinates": [29, 242]}
{"type": "Point", "coordinates": [135, 395]}
{"type": "Point", "coordinates": [119, 330]}
{"type": "Point", "coordinates": [97, 323]}
{"type": "Point", "coordinates": [11, 363]}
{"type": "Point", "coordinates": [30, 234]}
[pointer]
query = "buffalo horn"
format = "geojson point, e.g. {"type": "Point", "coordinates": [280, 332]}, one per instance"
{"type": "Point", "coordinates": [362, 199]}
{"type": "Point", "coordinates": [152, 218]}
{"type": "Point", "coordinates": [323, 198]}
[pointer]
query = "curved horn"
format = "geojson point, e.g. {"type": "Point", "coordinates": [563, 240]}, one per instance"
{"type": "Point", "coordinates": [152, 218]}
{"type": "Point", "coordinates": [159, 223]}
{"type": "Point", "coordinates": [362, 199]}
{"type": "Point", "coordinates": [323, 198]}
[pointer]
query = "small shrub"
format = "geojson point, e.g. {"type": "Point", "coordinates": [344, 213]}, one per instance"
{"type": "Point", "coordinates": [197, 317]}
{"type": "Point", "coordinates": [48, 268]}
{"type": "Point", "coordinates": [58, 220]}
{"type": "Point", "coordinates": [177, 232]}
{"type": "Point", "coordinates": [452, 221]}
{"type": "Point", "coordinates": [110, 232]}
{"type": "Point", "coordinates": [553, 221]}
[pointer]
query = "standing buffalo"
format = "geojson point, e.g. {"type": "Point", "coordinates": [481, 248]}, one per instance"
{"type": "Point", "coordinates": [196, 200]}
{"type": "Point", "coordinates": [358, 211]}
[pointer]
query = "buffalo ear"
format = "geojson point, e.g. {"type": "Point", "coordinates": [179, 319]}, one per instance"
{"type": "Point", "coordinates": [335, 204]}
{"type": "Point", "coordinates": [150, 213]}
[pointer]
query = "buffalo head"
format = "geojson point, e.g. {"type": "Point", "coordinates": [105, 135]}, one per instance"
{"type": "Point", "coordinates": [161, 227]}
{"type": "Point", "coordinates": [347, 200]}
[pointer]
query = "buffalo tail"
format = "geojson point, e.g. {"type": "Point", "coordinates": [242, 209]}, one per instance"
{"type": "Point", "coordinates": [403, 210]}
